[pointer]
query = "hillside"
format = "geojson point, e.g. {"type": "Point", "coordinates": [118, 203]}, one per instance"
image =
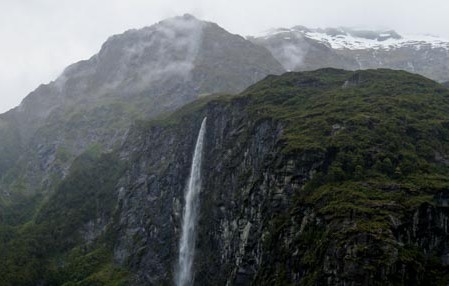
{"type": "Point", "coordinates": [137, 75]}
{"type": "Point", "coordinates": [328, 177]}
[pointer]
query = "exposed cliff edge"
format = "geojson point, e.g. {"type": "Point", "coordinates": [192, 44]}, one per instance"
{"type": "Point", "coordinates": [319, 178]}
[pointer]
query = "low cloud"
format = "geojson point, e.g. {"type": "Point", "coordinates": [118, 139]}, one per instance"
{"type": "Point", "coordinates": [138, 59]}
{"type": "Point", "coordinates": [41, 37]}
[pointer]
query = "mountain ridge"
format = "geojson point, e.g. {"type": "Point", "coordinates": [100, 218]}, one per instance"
{"type": "Point", "coordinates": [301, 49]}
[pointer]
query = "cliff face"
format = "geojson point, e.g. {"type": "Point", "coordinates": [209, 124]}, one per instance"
{"type": "Point", "coordinates": [265, 216]}
{"type": "Point", "coordinates": [239, 192]}
{"type": "Point", "coordinates": [264, 221]}
{"type": "Point", "coordinates": [320, 178]}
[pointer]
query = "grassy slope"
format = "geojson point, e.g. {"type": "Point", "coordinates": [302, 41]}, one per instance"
{"type": "Point", "coordinates": [38, 249]}
{"type": "Point", "coordinates": [386, 134]}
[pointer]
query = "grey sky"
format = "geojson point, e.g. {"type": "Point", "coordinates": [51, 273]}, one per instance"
{"type": "Point", "coordinates": [41, 37]}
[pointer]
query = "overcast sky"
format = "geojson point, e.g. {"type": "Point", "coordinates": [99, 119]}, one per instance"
{"type": "Point", "coordinates": [38, 38]}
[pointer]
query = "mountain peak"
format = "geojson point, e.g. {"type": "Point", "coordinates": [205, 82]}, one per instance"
{"type": "Point", "coordinates": [188, 16]}
{"type": "Point", "coordinates": [138, 59]}
{"type": "Point", "coordinates": [181, 19]}
{"type": "Point", "coordinates": [166, 65]}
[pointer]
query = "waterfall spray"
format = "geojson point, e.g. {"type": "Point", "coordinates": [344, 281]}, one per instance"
{"type": "Point", "coordinates": [187, 243]}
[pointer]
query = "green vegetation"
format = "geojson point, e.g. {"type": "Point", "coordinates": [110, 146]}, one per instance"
{"type": "Point", "coordinates": [383, 139]}
{"type": "Point", "coordinates": [379, 141]}
{"type": "Point", "coordinates": [48, 247]}
{"type": "Point", "coordinates": [10, 145]}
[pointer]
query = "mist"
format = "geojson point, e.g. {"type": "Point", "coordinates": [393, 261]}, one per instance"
{"type": "Point", "coordinates": [41, 38]}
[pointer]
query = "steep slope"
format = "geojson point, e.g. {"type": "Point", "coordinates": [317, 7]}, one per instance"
{"type": "Point", "coordinates": [10, 147]}
{"type": "Point", "coordinates": [301, 48]}
{"type": "Point", "coordinates": [136, 75]}
{"type": "Point", "coordinates": [317, 178]}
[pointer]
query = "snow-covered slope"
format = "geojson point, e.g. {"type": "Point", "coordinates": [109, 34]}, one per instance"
{"type": "Point", "coordinates": [345, 38]}
{"type": "Point", "coordinates": [300, 48]}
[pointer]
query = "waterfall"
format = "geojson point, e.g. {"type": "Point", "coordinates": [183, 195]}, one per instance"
{"type": "Point", "coordinates": [187, 243]}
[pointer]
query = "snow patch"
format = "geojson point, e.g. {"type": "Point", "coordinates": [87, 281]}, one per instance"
{"type": "Point", "coordinates": [347, 39]}
{"type": "Point", "coordinates": [357, 43]}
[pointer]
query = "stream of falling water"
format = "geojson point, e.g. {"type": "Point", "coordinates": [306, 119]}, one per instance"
{"type": "Point", "coordinates": [184, 275]}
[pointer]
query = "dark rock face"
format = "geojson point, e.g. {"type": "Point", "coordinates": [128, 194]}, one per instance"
{"type": "Point", "coordinates": [241, 191]}
{"type": "Point", "coordinates": [250, 227]}
{"type": "Point", "coordinates": [270, 214]}
{"type": "Point", "coordinates": [254, 227]}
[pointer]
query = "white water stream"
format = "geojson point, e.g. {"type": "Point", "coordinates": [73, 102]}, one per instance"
{"type": "Point", "coordinates": [184, 275]}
